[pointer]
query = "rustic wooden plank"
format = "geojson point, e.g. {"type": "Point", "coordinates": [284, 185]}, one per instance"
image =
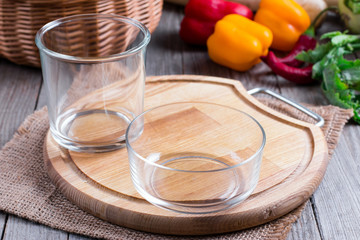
{"type": "Point", "coordinates": [258, 76]}
{"type": "Point", "coordinates": [164, 51]}
{"type": "Point", "coordinates": [2, 222]}
{"type": "Point", "coordinates": [337, 200]}
{"type": "Point", "coordinates": [304, 227]}
{"type": "Point", "coordinates": [18, 95]}
{"type": "Point", "coordinates": [77, 237]}
{"type": "Point", "coordinates": [197, 61]}
{"type": "Point", "coordinates": [42, 99]}
{"type": "Point", "coordinates": [18, 228]}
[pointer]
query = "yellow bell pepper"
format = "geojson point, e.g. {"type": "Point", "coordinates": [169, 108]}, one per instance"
{"type": "Point", "coordinates": [286, 19]}
{"type": "Point", "coordinates": [238, 42]}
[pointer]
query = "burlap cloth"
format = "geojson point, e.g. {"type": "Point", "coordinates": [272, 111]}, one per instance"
{"type": "Point", "coordinates": [27, 191]}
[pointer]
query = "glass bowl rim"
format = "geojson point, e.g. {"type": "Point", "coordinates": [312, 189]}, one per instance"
{"type": "Point", "coordinates": [249, 159]}
{"type": "Point", "coordinates": [57, 22]}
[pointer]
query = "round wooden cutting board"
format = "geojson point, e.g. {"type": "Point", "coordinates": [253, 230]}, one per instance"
{"type": "Point", "coordinates": [294, 162]}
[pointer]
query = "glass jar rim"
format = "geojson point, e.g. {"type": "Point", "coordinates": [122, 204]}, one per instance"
{"type": "Point", "coordinates": [55, 23]}
{"type": "Point", "coordinates": [249, 159]}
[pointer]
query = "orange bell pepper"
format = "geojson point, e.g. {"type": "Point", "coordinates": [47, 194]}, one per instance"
{"type": "Point", "coordinates": [238, 42]}
{"type": "Point", "coordinates": [286, 19]}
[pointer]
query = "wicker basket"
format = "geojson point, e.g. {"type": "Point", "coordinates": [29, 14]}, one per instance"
{"type": "Point", "coordinates": [21, 19]}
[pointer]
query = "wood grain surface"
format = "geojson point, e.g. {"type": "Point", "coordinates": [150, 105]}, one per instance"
{"type": "Point", "coordinates": [294, 162]}
{"type": "Point", "coordinates": [167, 54]}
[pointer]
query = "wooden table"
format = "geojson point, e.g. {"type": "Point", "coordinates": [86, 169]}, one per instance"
{"type": "Point", "coordinates": [333, 211]}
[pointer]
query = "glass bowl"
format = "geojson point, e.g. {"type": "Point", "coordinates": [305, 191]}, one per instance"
{"type": "Point", "coordinates": [195, 157]}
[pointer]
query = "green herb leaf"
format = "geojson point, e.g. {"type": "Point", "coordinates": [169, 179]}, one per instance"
{"type": "Point", "coordinates": [313, 56]}
{"type": "Point", "coordinates": [330, 35]}
{"type": "Point", "coordinates": [339, 93]}
{"type": "Point", "coordinates": [351, 77]}
{"type": "Point", "coordinates": [340, 77]}
{"type": "Point", "coordinates": [344, 39]}
{"type": "Point", "coordinates": [354, 5]}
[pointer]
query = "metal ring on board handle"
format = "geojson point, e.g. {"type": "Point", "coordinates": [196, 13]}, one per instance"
{"type": "Point", "coordinates": [317, 117]}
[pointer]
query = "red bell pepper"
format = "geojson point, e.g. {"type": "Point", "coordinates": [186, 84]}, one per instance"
{"type": "Point", "coordinates": [201, 15]}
